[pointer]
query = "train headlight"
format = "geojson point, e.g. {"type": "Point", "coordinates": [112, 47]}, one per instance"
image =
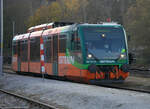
{"type": "Point", "coordinates": [103, 35]}
{"type": "Point", "coordinates": [89, 56]}
{"type": "Point", "coordinates": [122, 56]}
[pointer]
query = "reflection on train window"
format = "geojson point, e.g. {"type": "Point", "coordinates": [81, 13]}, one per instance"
{"type": "Point", "coordinates": [47, 49]}
{"type": "Point", "coordinates": [14, 47]}
{"type": "Point", "coordinates": [24, 50]}
{"type": "Point", "coordinates": [75, 42]}
{"type": "Point", "coordinates": [35, 49]}
{"type": "Point", "coordinates": [62, 43]}
{"type": "Point", "coordinates": [76, 47]}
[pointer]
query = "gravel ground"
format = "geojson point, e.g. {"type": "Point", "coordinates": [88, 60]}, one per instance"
{"type": "Point", "coordinates": [69, 95]}
{"type": "Point", "coordinates": [11, 102]}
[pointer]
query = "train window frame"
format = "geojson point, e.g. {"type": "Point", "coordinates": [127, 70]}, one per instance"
{"type": "Point", "coordinates": [48, 41]}
{"type": "Point", "coordinates": [55, 51]}
{"type": "Point", "coordinates": [49, 38]}
{"type": "Point", "coordinates": [32, 40]}
{"type": "Point", "coordinates": [62, 48]}
{"type": "Point", "coordinates": [14, 47]}
{"type": "Point", "coordinates": [75, 41]}
{"type": "Point", "coordinates": [24, 50]}
{"type": "Point", "coordinates": [35, 49]}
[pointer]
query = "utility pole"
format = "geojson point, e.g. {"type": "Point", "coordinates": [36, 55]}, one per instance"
{"type": "Point", "coordinates": [1, 38]}
{"type": "Point", "coordinates": [13, 23]}
{"type": "Point", "coordinates": [84, 4]}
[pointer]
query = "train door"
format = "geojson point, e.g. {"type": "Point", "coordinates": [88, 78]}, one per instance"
{"type": "Point", "coordinates": [19, 56]}
{"type": "Point", "coordinates": [55, 55]}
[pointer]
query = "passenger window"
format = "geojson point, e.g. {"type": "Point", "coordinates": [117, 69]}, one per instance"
{"type": "Point", "coordinates": [75, 42]}
{"type": "Point", "coordinates": [35, 49]}
{"type": "Point", "coordinates": [62, 43]}
{"type": "Point", "coordinates": [76, 47]}
{"type": "Point", "coordinates": [48, 49]}
{"type": "Point", "coordinates": [14, 47]}
{"type": "Point", "coordinates": [24, 50]}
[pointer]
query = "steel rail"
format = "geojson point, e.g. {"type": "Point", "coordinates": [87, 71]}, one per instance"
{"type": "Point", "coordinates": [41, 104]}
{"type": "Point", "coordinates": [138, 69]}
{"type": "Point", "coordinates": [127, 89]}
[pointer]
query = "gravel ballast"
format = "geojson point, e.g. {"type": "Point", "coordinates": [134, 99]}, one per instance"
{"type": "Point", "coordinates": [70, 95]}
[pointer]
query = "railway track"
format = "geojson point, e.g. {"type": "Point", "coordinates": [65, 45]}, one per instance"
{"type": "Point", "coordinates": [143, 74]}
{"type": "Point", "coordinates": [31, 102]}
{"type": "Point", "coordinates": [127, 85]}
{"type": "Point", "coordinates": [127, 88]}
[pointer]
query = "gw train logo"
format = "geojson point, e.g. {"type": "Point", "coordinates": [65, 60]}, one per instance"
{"type": "Point", "coordinates": [66, 60]}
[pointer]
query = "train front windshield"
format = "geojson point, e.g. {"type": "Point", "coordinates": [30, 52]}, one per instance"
{"type": "Point", "coordinates": [104, 42]}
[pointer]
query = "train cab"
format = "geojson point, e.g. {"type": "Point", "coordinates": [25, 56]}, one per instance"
{"type": "Point", "coordinates": [101, 49]}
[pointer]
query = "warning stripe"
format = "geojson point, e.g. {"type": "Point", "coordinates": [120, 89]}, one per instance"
{"type": "Point", "coordinates": [42, 55]}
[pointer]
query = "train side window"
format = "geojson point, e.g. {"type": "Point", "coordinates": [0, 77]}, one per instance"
{"type": "Point", "coordinates": [76, 47]}
{"type": "Point", "coordinates": [55, 47]}
{"type": "Point", "coordinates": [24, 50]}
{"type": "Point", "coordinates": [35, 49]}
{"type": "Point", "coordinates": [62, 43]}
{"type": "Point", "coordinates": [32, 40]}
{"type": "Point", "coordinates": [47, 49]}
{"type": "Point", "coordinates": [75, 42]}
{"type": "Point", "coordinates": [14, 47]}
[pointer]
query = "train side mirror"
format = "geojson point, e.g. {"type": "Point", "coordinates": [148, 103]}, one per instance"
{"type": "Point", "coordinates": [132, 58]}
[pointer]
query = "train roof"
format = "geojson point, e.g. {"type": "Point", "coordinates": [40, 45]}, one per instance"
{"type": "Point", "coordinates": [48, 26]}
{"type": "Point", "coordinates": [59, 29]}
{"type": "Point", "coordinates": [40, 26]}
{"type": "Point", "coordinates": [101, 24]}
{"type": "Point", "coordinates": [39, 33]}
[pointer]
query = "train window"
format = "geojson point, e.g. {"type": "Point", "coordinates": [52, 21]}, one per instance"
{"type": "Point", "coordinates": [75, 42]}
{"type": "Point", "coordinates": [47, 49]}
{"type": "Point", "coordinates": [55, 47]}
{"type": "Point", "coordinates": [24, 50]}
{"type": "Point", "coordinates": [62, 43]}
{"type": "Point", "coordinates": [14, 47]}
{"type": "Point", "coordinates": [76, 47]}
{"type": "Point", "coordinates": [35, 49]}
{"type": "Point", "coordinates": [32, 40]}
{"type": "Point", "coordinates": [49, 38]}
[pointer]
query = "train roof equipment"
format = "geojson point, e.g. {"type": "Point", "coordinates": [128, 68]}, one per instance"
{"type": "Point", "coordinates": [48, 26]}
{"type": "Point", "coordinates": [51, 28]}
